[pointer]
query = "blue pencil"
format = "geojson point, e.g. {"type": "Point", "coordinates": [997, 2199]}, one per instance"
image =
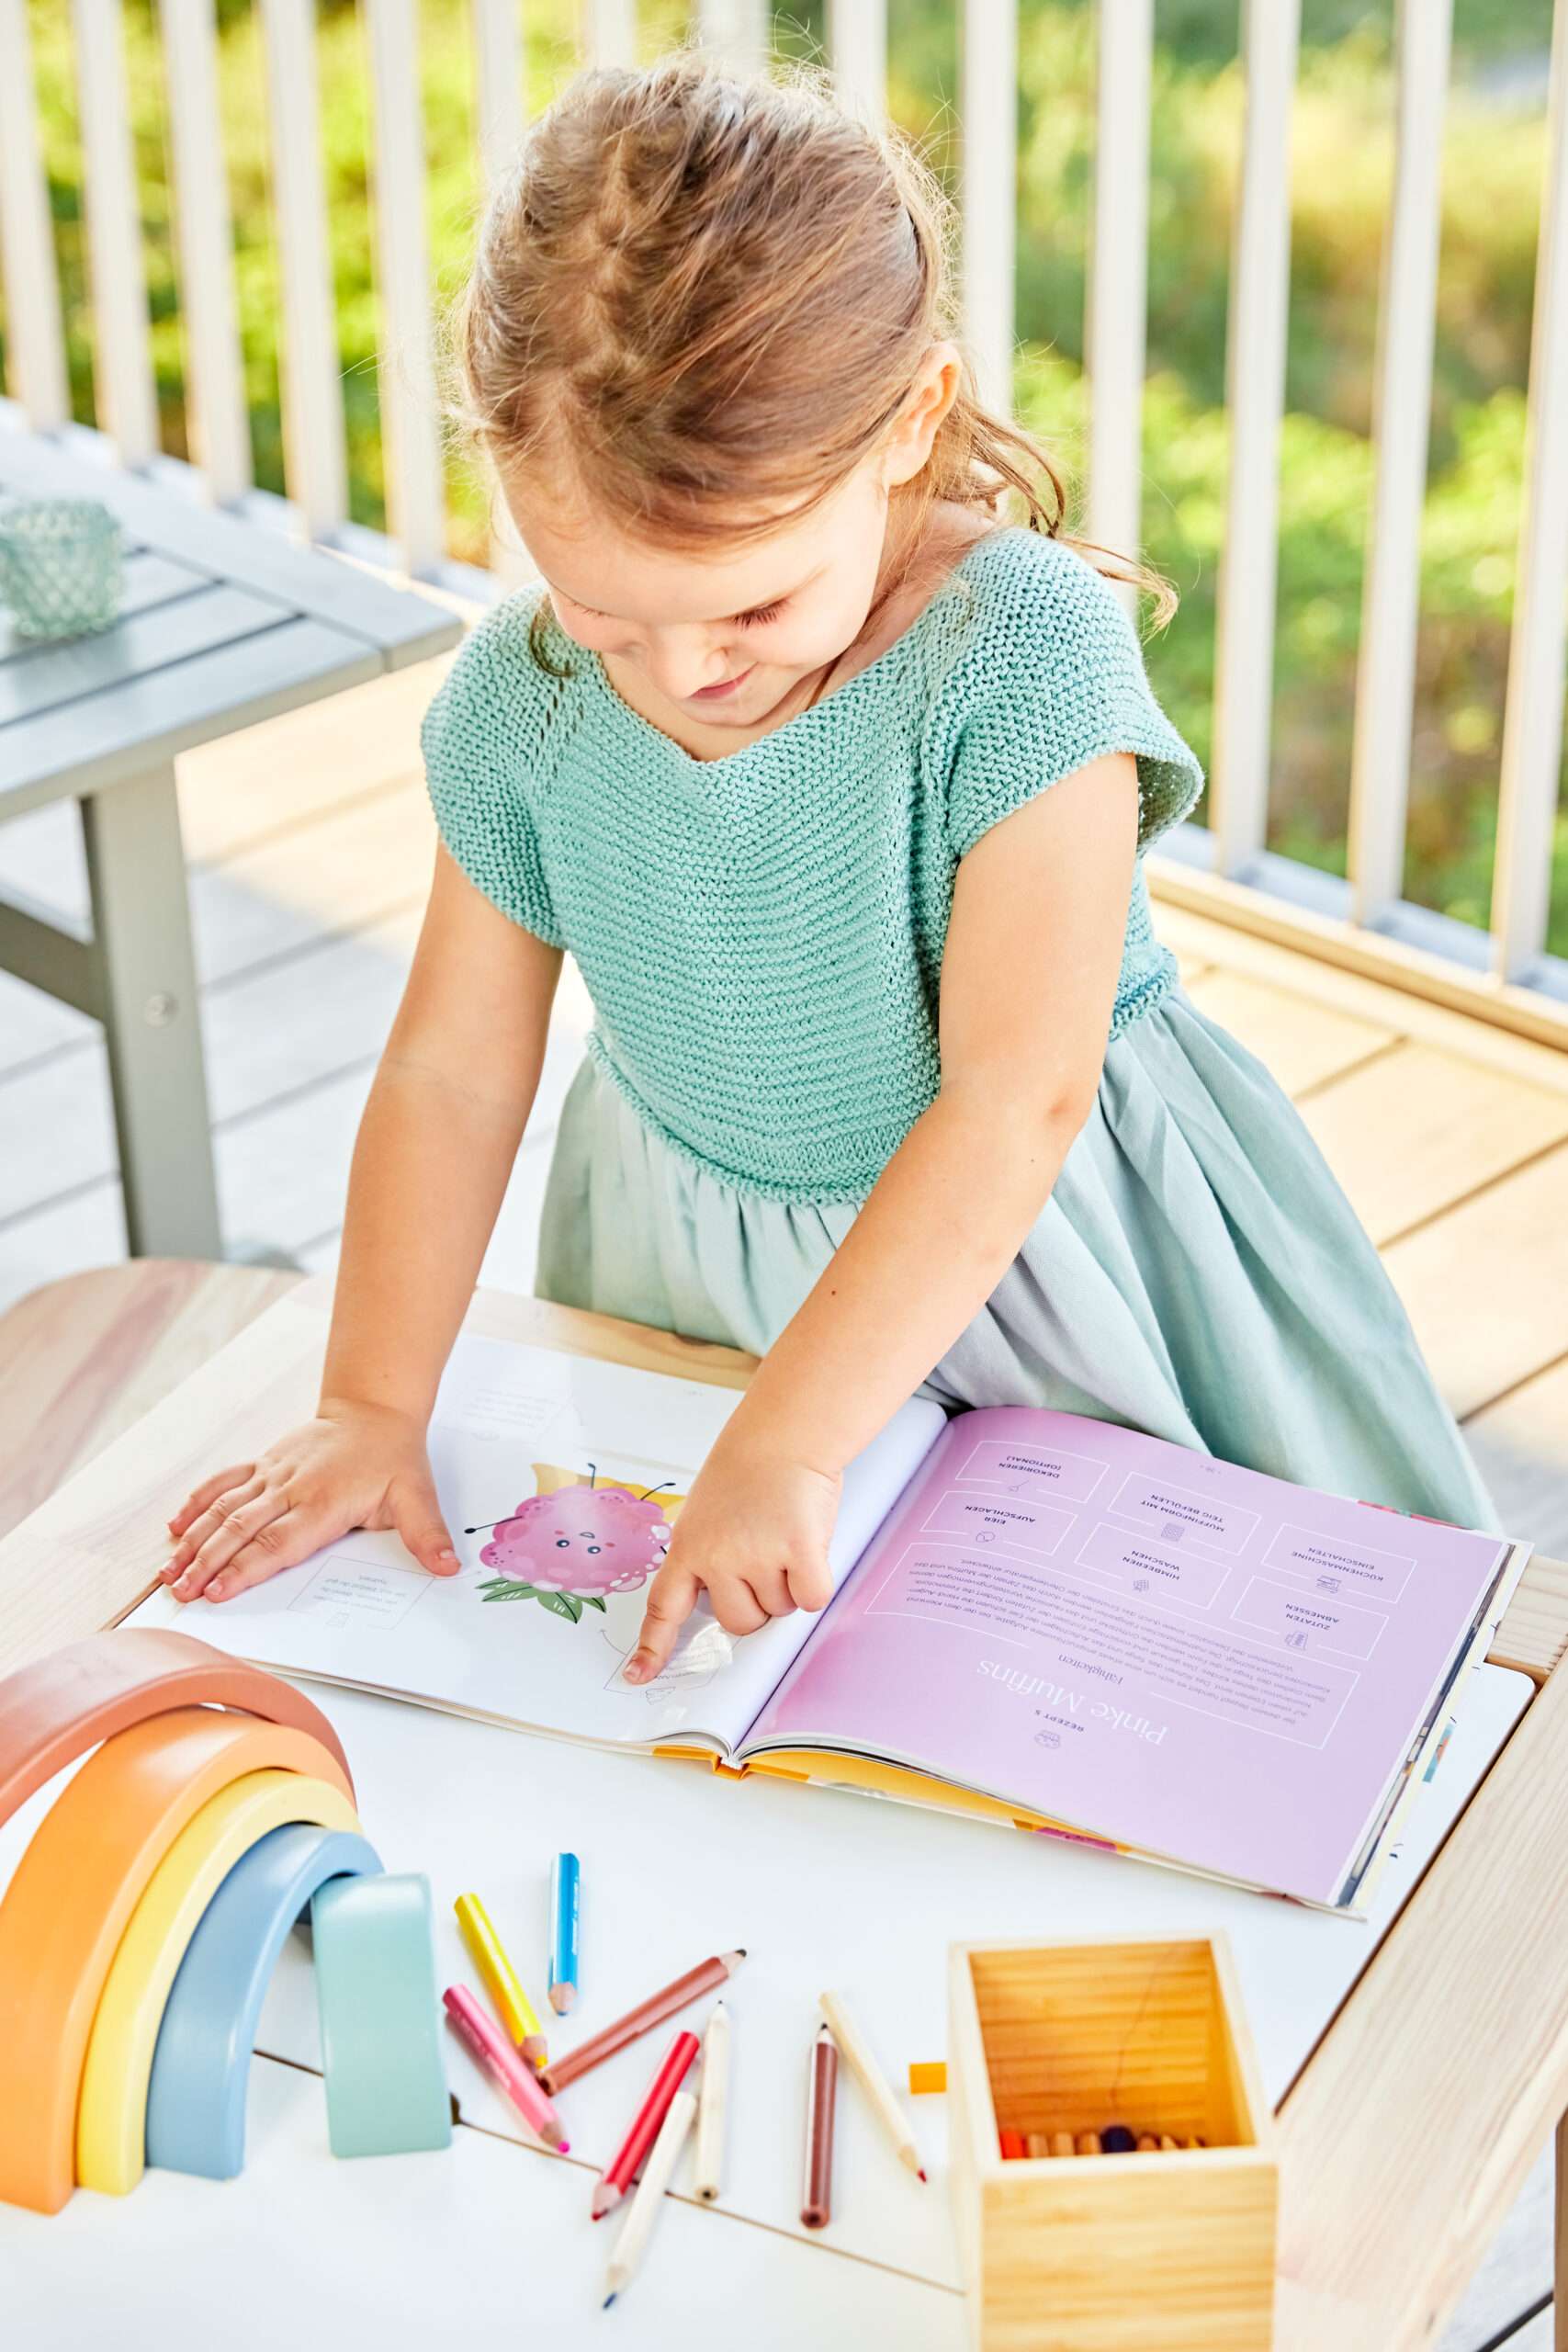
{"type": "Point", "coordinates": [565, 1878]}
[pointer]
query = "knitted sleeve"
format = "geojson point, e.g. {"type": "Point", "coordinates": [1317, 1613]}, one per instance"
{"type": "Point", "coordinates": [484, 739]}
{"type": "Point", "coordinates": [1052, 677]}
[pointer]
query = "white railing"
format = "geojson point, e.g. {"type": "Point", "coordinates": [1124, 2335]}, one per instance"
{"type": "Point", "coordinates": [1224, 867]}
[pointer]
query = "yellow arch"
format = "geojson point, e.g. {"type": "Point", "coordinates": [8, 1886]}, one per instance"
{"type": "Point", "coordinates": [111, 2122]}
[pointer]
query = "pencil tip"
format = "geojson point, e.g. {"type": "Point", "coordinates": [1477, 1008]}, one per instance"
{"type": "Point", "coordinates": [608, 2300]}
{"type": "Point", "coordinates": [922, 2172]}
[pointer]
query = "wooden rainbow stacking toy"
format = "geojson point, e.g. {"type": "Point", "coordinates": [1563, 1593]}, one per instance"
{"type": "Point", "coordinates": [141, 1924]}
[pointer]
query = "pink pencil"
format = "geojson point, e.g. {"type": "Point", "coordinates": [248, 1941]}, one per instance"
{"type": "Point", "coordinates": [489, 2049]}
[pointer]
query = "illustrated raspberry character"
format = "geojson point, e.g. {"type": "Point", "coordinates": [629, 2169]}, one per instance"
{"type": "Point", "coordinates": [585, 1539]}
{"type": "Point", "coordinates": [574, 1543]}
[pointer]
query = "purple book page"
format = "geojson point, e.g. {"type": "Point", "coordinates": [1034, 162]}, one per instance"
{"type": "Point", "coordinates": [1156, 1647]}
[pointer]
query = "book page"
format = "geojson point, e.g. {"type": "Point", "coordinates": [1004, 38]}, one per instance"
{"type": "Point", "coordinates": [1160, 1647]}
{"type": "Point", "coordinates": [560, 1478]}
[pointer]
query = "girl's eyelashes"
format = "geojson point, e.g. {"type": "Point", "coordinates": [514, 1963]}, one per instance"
{"type": "Point", "coordinates": [758, 617]}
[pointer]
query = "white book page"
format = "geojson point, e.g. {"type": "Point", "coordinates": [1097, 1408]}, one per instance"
{"type": "Point", "coordinates": [555, 1475]}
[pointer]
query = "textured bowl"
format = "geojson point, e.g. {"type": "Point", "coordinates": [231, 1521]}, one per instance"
{"type": "Point", "coordinates": [62, 565]}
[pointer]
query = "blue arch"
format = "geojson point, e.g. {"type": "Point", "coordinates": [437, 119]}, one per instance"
{"type": "Point", "coordinates": [196, 2099]}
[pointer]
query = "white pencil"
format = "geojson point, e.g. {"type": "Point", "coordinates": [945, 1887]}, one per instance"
{"type": "Point", "coordinates": [708, 2163]}
{"type": "Point", "coordinates": [855, 2050]}
{"type": "Point", "coordinates": [637, 2229]}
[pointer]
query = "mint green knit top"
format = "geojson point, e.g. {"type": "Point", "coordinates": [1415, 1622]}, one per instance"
{"type": "Point", "coordinates": [762, 934]}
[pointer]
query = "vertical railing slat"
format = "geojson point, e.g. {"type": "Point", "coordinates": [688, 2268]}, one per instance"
{"type": "Point", "coordinates": [1532, 721]}
{"type": "Point", "coordinates": [1385, 675]}
{"type": "Point", "coordinates": [499, 120]}
{"type": "Point", "coordinates": [314, 453]}
{"type": "Point", "coordinates": [610, 31]}
{"type": "Point", "coordinates": [219, 420]}
{"type": "Point", "coordinates": [988, 133]}
{"type": "Point", "coordinates": [857, 47]}
{"type": "Point", "coordinates": [416, 502]}
{"type": "Point", "coordinates": [498, 84]}
{"type": "Point", "coordinates": [1255, 388]}
{"type": "Point", "coordinates": [738, 30]}
{"type": "Point", "coordinates": [34, 333]}
{"type": "Point", "coordinates": [1116, 328]}
{"type": "Point", "coordinates": [122, 353]}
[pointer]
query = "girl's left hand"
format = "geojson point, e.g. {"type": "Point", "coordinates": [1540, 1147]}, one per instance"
{"type": "Point", "coordinates": [754, 1532]}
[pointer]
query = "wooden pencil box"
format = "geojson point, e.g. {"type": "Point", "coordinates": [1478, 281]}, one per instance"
{"type": "Point", "coordinates": [1171, 2248]}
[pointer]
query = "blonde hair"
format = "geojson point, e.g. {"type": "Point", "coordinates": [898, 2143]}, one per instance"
{"type": "Point", "coordinates": [703, 294]}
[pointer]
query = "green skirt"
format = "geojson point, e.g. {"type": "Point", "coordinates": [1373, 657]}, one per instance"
{"type": "Point", "coordinates": [1197, 1272]}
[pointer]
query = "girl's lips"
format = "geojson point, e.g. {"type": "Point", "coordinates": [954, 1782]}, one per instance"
{"type": "Point", "coordinates": [725, 686]}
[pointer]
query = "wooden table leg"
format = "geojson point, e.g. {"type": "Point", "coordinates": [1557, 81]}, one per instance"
{"type": "Point", "coordinates": [147, 1002]}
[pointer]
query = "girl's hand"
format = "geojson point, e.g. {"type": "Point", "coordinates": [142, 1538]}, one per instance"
{"type": "Point", "coordinates": [353, 1465]}
{"type": "Point", "coordinates": [754, 1532]}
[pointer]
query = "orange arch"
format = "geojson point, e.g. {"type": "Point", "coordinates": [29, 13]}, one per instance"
{"type": "Point", "coordinates": [75, 1890]}
{"type": "Point", "coordinates": [53, 1711]}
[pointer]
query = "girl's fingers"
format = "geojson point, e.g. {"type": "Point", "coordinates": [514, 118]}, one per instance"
{"type": "Point", "coordinates": [416, 1516]}
{"type": "Point", "coordinates": [811, 1583]}
{"type": "Point", "coordinates": [283, 1543]}
{"type": "Point", "coordinates": [251, 1523]}
{"type": "Point", "coordinates": [239, 1473]}
{"type": "Point", "coordinates": [210, 1524]}
{"type": "Point", "coordinates": [671, 1600]}
{"type": "Point", "coordinates": [770, 1586]}
{"type": "Point", "coordinates": [738, 1607]}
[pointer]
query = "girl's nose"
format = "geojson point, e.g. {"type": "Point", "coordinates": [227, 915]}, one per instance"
{"type": "Point", "coordinates": [681, 668]}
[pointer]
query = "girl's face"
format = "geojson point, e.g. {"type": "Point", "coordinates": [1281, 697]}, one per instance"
{"type": "Point", "coordinates": [723, 640]}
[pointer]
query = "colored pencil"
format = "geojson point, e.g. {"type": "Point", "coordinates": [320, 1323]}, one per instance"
{"type": "Point", "coordinates": [517, 2011]}
{"type": "Point", "coordinates": [489, 2049]}
{"type": "Point", "coordinates": [821, 2098]}
{"type": "Point", "coordinates": [855, 2050]}
{"type": "Point", "coordinates": [1012, 2143]}
{"type": "Point", "coordinates": [643, 2130]}
{"type": "Point", "coordinates": [643, 2211]}
{"type": "Point", "coordinates": [565, 1882]}
{"type": "Point", "coordinates": [642, 2019]}
{"type": "Point", "coordinates": [708, 2164]}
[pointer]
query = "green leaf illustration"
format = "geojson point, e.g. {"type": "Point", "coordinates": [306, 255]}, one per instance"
{"type": "Point", "coordinates": [507, 1588]}
{"type": "Point", "coordinates": [592, 1601]}
{"type": "Point", "coordinates": [560, 1604]}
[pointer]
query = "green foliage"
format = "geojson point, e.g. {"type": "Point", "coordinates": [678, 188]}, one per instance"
{"type": "Point", "coordinates": [569, 1605]}
{"type": "Point", "coordinates": [1342, 161]}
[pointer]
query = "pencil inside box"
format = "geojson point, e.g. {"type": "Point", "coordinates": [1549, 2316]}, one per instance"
{"type": "Point", "coordinates": [1078, 2037]}
{"type": "Point", "coordinates": [1168, 2248]}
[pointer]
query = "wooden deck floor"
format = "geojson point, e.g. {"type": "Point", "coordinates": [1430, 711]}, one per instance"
{"type": "Point", "coordinates": [311, 845]}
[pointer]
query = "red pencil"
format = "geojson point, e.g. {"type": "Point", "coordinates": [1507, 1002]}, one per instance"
{"type": "Point", "coordinates": [622, 2167]}
{"type": "Point", "coordinates": [646, 2015]}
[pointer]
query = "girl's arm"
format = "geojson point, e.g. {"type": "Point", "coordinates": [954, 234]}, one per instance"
{"type": "Point", "coordinates": [1029, 977]}
{"type": "Point", "coordinates": [435, 1151]}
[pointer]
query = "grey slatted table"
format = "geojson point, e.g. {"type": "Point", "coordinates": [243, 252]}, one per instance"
{"type": "Point", "coordinates": [223, 623]}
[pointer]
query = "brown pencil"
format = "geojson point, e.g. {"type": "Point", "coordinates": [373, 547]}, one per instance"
{"type": "Point", "coordinates": [822, 2097]}
{"type": "Point", "coordinates": [642, 2019]}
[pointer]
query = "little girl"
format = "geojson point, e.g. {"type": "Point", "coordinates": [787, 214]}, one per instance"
{"type": "Point", "coordinates": [837, 787]}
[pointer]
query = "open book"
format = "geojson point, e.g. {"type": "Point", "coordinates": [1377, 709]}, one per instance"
{"type": "Point", "coordinates": [1050, 1619]}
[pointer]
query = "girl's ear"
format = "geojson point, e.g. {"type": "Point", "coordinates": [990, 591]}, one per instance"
{"type": "Point", "coordinates": [910, 439]}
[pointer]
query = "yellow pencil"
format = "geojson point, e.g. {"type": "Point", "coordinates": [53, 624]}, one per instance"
{"type": "Point", "coordinates": [517, 2011]}
{"type": "Point", "coordinates": [855, 2050]}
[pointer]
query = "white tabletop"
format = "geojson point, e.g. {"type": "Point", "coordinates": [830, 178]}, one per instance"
{"type": "Point", "coordinates": [822, 1889]}
{"type": "Point", "coordinates": [484, 2245]}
